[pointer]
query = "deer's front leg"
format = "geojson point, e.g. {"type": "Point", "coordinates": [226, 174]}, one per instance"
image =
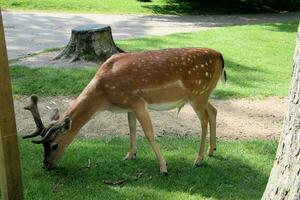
{"type": "Point", "coordinates": [203, 117]}
{"type": "Point", "coordinates": [132, 130]}
{"type": "Point", "coordinates": [143, 116]}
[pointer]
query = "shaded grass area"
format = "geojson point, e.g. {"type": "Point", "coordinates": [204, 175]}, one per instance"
{"type": "Point", "coordinates": [176, 7]}
{"type": "Point", "coordinates": [239, 170]}
{"type": "Point", "coordinates": [258, 60]}
{"type": "Point", "coordinates": [223, 6]}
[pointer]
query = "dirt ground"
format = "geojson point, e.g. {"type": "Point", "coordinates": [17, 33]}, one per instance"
{"type": "Point", "coordinates": [45, 59]}
{"type": "Point", "coordinates": [237, 119]}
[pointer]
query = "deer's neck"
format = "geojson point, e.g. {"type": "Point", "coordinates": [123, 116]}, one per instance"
{"type": "Point", "coordinates": [84, 107]}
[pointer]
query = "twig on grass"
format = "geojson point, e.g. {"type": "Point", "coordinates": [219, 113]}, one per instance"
{"type": "Point", "coordinates": [123, 181]}
{"type": "Point", "coordinates": [115, 182]}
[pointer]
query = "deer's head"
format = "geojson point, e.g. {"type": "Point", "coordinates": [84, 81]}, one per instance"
{"type": "Point", "coordinates": [52, 137]}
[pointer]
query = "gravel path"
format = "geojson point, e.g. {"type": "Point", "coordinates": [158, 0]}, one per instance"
{"type": "Point", "coordinates": [28, 32]}
{"type": "Point", "coordinates": [237, 119]}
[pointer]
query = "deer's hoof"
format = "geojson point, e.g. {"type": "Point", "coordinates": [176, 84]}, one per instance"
{"type": "Point", "coordinates": [130, 156]}
{"type": "Point", "coordinates": [196, 165]}
{"type": "Point", "coordinates": [164, 173]}
{"type": "Point", "coordinates": [198, 162]}
{"type": "Point", "coordinates": [164, 170]}
{"type": "Point", "coordinates": [211, 151]}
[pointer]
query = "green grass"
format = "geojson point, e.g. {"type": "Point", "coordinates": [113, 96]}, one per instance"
{"type": "Point", "coordinates": [96, 6]}
{"type": "Point", "coordinates": [239, 170]}
{"type": "Point", "coordinates": [258, 61]}
{"type": "Point", "coordinates": [154, 6]}
{"type": "Point", "coordinates": [49, 81]}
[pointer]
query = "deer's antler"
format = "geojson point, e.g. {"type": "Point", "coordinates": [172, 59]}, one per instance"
{"type": "Point", "coordinates": [36, 116]}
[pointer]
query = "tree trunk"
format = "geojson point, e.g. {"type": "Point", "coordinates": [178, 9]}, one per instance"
{"type": "Point", "coordinates": [284, 181]}
{"type": "Point", "coordinates": [91, 43]}
{"type": "Point", "coordinates": [10, 169]}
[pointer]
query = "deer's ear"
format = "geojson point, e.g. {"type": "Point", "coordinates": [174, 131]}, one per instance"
{"type": "Point", "coordinates": [54, 115]}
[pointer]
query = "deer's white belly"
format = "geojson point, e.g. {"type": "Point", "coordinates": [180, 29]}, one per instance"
{"type": "Point", "coordinates": [156, 106]}
{"type": "Point", "coordinates": [162, 94]}
{"type": "Point", "coordinates": [167, 106]}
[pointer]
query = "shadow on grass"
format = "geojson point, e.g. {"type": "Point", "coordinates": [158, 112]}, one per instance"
{"type": "Point", "coordinates": [245, 77]}
{"type": "Point", "coordinates": [223, 6]}
{"type": "Point", "coordinates": [226, 176]}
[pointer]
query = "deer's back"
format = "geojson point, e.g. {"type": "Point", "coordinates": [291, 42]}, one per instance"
{"type": "Point", "coordinates": [168, 74]}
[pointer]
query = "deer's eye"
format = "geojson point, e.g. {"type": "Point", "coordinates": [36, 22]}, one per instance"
{"type": "Point", "coordinates": [54, 146]}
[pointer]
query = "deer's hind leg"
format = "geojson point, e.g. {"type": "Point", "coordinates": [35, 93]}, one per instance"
{"type": "Point", "coordinates": [132, 131]}
{"type": "Point", "coordinates": [212, 118]}
{"type": "Point", "coordinates": [200, 110]}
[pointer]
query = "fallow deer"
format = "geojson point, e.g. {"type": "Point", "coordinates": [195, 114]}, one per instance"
{"type": "Point", "coordinates": [135, 82]}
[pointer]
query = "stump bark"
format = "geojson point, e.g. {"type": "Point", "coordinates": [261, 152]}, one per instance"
{"type": "Point", "coordinates": [91, 42]}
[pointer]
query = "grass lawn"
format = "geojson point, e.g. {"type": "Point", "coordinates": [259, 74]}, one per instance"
{"type": "Point", "coordinates": [258, 61]}
{"type": "Point", "coordinates": [239, 170]}
{"type": "Point", "coordinates": [154, 6]}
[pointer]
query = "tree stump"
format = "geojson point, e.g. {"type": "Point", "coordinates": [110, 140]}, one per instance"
{"type": "Point", "coordinates": [91, 42]}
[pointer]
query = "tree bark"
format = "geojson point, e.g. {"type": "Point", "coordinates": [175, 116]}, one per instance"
{"type": "Point", "coordinates": [90, 42]}
{"type": "Point", "coordinates": [10, 168]}
{"type": "Point", "coordinates": [284, 180]}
